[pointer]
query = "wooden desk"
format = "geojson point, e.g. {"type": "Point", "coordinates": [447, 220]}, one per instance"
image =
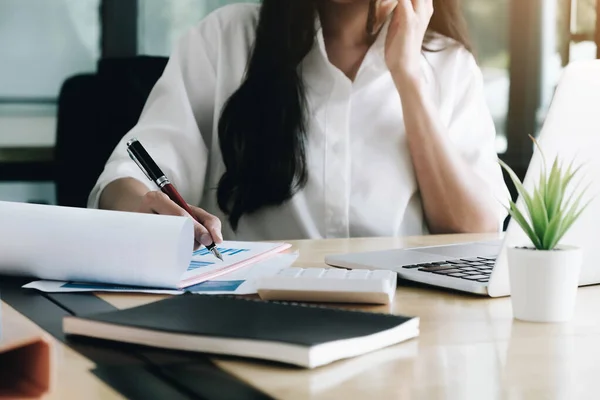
{"type": "Point", "coordinates": [469, 348]}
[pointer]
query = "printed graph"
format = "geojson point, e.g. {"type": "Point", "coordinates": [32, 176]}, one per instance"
{"type": "Point", "coordinates": [224, 251]}
{"type": "Point", "coordinates": [199, 264]}
{"type": "Point", "coordinates": [203, 252]}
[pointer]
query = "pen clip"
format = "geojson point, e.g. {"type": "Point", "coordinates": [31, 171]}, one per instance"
{"type": "Point", "coordinates": [134, 158]}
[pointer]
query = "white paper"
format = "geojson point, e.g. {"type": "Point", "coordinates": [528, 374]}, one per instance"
{"type": "Point", "coordinates": [94, 246]}
{"type": "Point", "coordinates": [240, 282]}
{"type": "Point", "coordinates": [80, 287]}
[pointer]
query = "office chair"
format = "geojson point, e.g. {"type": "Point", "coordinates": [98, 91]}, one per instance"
{"type": "Point", "coordinates": [94, 112]}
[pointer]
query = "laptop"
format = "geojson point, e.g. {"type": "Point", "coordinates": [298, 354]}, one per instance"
{"type": "Point", "coordinates": [571, 130]}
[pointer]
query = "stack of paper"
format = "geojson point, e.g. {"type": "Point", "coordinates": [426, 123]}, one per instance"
{"type": "Point", "coordinates": [239, 282]}
{"type": "Point", "coordinates": [114, 248]}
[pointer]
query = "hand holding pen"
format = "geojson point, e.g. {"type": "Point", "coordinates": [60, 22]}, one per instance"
{"type": "Point", "coordinates": [168, 201]}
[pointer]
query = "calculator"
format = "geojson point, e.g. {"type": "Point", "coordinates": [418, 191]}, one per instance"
{"type": "Point", "coordinates": [329, 285]}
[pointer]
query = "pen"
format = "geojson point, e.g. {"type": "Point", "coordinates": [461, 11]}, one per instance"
{"type": "Point", "coordinates": [141, 157]}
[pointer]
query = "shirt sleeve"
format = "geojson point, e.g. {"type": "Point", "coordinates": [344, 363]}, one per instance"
{"type": "Point", "coordinates": [473, 131]}
{"type": "Point", "coordinates": [168, 127]}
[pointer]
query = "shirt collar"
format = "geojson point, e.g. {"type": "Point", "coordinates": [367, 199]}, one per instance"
{"type": "Point", "coordinates": [375, 56]}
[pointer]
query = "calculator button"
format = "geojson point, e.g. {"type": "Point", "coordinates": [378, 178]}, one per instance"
{"type": "Point", "coordinates": [358, 274]}
{"type": "Point", "coordinates": [380, 274]}
{"type": "Point", "coordinates": [312, 272]}
{"type": "Point", "coordinates": [335, 273]}
{"type": "Point", "coordinates": [293, 272]}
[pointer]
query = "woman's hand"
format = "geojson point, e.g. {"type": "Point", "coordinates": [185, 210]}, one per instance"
{"type": "Point", "coordinates": [405, 36]}
{"type": "Point", "coordinates": [206, 231]}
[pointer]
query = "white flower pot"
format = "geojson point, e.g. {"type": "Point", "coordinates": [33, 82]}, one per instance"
{"type": "Point", "coordinates": [543, 283]}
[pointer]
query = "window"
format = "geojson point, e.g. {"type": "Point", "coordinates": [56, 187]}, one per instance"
{"type": "Point", "coordinates": [488, 22]}
{"type": "Point", "coordinates": [162, 22]}
{"type": "Point", "coordinates": [42, 42]}
{"type": "Point", "coordinates": [570, 33]}
{"type": "Point", "coordinates": [576, 29]}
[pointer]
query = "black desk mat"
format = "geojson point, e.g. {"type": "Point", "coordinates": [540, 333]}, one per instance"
{"type": "Point", "coordinates": [133, 371]}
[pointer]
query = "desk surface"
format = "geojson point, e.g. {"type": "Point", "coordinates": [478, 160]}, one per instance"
{"type": "Point", "coordinates": [469, 348]}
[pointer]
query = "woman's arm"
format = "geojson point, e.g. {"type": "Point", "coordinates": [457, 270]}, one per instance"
{"type": "Point", "coordinates": [129, 194]}
{"type": "Point", "coordinates": [123, 194]}
{"type": "Point", "coordinates": [169, 129]}
{"type": "Point", "coordinates": [455, 198]}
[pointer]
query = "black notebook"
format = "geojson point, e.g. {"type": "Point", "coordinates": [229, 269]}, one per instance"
{"type": "Point", "coordinates": [299, 334]}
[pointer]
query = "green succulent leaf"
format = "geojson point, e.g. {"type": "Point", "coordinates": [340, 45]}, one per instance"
{"type": "Point", "coordinates": [539, 214]}
{"type": "Point", "coordinates": [567, 225]}
{"type": "Point", "coordinates": [570, 216]}
{"type": "Point", "coordinates": [537, 144]}
{"type": "Point", "coordinates": [550, 214]}
{"type": "Point", "coordinates": [570, 175]}
{"type": "Point", "coordinates": [519, 186]}
{"type": "Point", "coordinates": [554, 193]}
{"type": "Point", "coordinates": [542, 182]}
{"type": "Point", "coordinates": [518, 216]}
{"type": "Point", "coordinates": [569, 203]}
{"type": "Point", "coordinates": [551, 235]}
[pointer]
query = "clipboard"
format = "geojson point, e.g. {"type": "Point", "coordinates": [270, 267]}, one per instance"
{"type": "Point", "coordinates": [26, 358]}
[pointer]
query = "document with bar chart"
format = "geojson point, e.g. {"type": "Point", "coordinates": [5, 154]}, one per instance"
{"type": "Point", "coordinates": [242, 281]}
{"type": "Point", "coordinates": [204, 266]}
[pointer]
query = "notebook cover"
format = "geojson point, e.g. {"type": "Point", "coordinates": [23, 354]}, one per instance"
{"type": "Point", "coordinates": [243, 318]}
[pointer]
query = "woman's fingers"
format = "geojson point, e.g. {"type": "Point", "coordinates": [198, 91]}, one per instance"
{"type": "Point", "coordinates": [423, 6]}
{"type": "Point", "coordinates": [211, 223]}
{"type": "Point", "coordinates": [379, 11]}
{"type": "Point", "coordinates": [401, 15]}
{"type": "Point", "coordinates": [386, 7]}
{"type": "Point", "coordinates": [159, 203]}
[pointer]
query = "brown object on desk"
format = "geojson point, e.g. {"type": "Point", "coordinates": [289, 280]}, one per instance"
{"type": "Point", "coordinates": [25, 362]}
{"type": "Point", "coordinates": [71, 375]}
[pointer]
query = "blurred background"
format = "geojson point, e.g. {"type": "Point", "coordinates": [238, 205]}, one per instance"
{"type": "Point", "coordinates": [521, 45]}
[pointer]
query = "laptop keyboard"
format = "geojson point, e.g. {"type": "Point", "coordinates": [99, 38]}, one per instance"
{"type": "Point", "coordinates": [476, 269]}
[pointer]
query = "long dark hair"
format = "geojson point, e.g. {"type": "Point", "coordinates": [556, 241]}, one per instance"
{"type": "Point", "coordinates": [262, 129]}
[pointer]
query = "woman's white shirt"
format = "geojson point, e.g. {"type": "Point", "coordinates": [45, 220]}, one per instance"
{"type": "Point", "coordinates": [361, 179]}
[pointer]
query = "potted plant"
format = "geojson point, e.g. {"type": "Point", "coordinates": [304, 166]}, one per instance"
{"type": "Point", "coordinates": [544, 274]}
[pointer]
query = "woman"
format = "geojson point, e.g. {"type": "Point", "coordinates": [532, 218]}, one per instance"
{"type": "Point", "coordinates": [318, 118]}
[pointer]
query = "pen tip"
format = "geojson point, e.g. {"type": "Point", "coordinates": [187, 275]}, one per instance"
{"type": "Point", "coordinates": [217, 254]}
